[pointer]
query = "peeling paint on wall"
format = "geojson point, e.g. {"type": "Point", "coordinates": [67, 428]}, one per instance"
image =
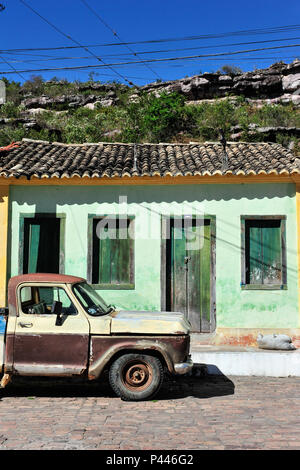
{"type": "Point", "coordinates": [234, 307]}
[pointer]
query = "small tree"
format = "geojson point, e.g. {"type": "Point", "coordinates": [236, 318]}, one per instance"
{"type": "Point", "coordinates": [156, 118]}
{"type": "Point", "coordinates": [230, 70]}
{"type": "Point", "coordinates": [162, 116]}
{"type": "Point", "coordinates": [92, 76]}
{"type": "Point", "coordinates": [35, 84]}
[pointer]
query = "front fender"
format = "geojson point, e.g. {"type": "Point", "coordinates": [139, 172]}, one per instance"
{"type": "Point", "coordinates": [172, 349]}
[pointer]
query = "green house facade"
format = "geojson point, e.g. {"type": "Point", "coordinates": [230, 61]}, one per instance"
{"type": "Point", "coordinates": [162, 227]}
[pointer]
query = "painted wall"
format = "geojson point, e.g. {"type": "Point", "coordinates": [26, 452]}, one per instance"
{"type": "Point", "coordinates": [235, 308]}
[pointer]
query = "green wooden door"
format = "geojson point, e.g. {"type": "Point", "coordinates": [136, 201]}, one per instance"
{"type": "Point", "coordinates": [188, 272]}
{"type": "Point", "coordinates": [41, 245]}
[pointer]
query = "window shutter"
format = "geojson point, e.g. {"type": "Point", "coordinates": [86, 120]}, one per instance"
{"type": "Point", "coordinates": [263, 252]}
{"type": "Point", "coordinates": [255, 254]}
{"type": "Point", "coordinates": [113, 258]}
{"type": "Point", "coordinates": [271, 253]}
{"type": "Point", "coordinates": [105, 250]}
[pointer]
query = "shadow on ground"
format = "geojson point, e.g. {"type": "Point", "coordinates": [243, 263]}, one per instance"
{"type": "Point", "coordinates": [196, 384]}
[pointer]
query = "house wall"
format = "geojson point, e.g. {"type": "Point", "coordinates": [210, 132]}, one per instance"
{"type": "Point", "coordinates": [235, 308]}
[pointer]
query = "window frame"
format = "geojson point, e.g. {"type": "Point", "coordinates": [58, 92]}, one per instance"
{"type": "Point", "coordinates": [38, 285]}
{"type": "Point", "coordinates": [37, 215]}
{"type": "Point", "coordinates": [125, 286]}
{"type": "Point", "coordinates": [283, 285]}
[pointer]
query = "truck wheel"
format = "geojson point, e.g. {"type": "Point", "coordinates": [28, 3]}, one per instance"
{"type": "Point", "coordinates": [136, 376]}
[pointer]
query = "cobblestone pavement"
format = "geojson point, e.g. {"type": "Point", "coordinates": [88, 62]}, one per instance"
{"type": "Point", "coordinates": [195, 412]}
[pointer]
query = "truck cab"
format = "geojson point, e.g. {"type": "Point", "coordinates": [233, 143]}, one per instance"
{"type": "Point", "coordinates": [58, 325]}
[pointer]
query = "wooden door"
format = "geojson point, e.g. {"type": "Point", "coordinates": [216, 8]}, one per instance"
{"type": "Point", "coordinates": [188, 271]}
{"type": "Point", "coordinates": [41, 245]}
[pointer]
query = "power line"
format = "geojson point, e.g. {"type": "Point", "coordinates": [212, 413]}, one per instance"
{"type": "Point", "coordinates": [247, 59]}
{"type": "Point", "coordinates": [2, 7]}
{"type": "Point", "coordinates": [12, 67]}
{"type": "Point", "coordinates": [26, 54]}
{"type": "Point", "coordinates": [209, 46]}
{"type": "Point", "coordinates": [74, 40]}
{"type": "Point", "coordinates": [152, 41]}
{"type": "Point", "coordinates": [157, 60]}
{"type": "Point", "coordinates": [116, 35]}
{"type": "Point", "coordinates": [277, 58]}
{"type": "Point", "coordinates": [51, 58]}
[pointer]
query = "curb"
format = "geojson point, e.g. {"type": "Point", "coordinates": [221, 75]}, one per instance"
{"type": "Point", "coordinates": [263, 363]}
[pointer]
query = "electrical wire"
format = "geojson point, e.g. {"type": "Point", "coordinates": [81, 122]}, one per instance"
{"type": "Point", "coordinates": [164, 40]}
{"type": "Point", "coordinates": [12, 67]}
{"type": "Point", "coordinates": [75, 42]}
{"type": "Point", "coordinates": [116, 35]}
{"type": "Point", "coordinates": [118, 64]}
{"type": "Point", "coordinates": [233, 58]}
{"type": "Point", "coordinates": [51, 58]}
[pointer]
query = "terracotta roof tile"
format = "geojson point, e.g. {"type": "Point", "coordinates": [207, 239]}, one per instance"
{"type": "Point", "coordinates": [42, 159]}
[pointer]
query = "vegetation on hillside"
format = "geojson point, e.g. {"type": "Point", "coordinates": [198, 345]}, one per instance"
{"type": "Point", "coordinates": [150, 118]}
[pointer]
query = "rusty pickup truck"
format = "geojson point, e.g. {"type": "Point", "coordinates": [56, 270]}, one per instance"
{"type": "Point", "coordinates": [58, 325]}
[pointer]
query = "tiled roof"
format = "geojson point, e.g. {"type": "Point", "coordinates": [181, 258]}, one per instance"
{"type": "Point", "coordinates": [47, 160]}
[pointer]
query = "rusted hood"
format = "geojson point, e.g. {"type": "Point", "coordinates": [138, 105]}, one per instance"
{"type": "Point", "coordinates": [145, 322]}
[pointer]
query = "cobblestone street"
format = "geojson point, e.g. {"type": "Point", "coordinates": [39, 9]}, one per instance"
{"type": "Point", "coordinates": [212, 412]}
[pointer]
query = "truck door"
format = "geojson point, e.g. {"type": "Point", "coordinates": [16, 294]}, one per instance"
{"type": "Point", "coordinates": [43, 347]}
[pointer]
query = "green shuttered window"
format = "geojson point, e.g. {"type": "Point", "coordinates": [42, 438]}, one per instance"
{"type": "Point", "coordinates": [112, 261]}
{"type": "Point", "coordinates": [264, 253]}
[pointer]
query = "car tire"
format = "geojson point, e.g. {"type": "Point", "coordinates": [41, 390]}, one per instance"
{"type": "Point", "coordinates": [135, 377]}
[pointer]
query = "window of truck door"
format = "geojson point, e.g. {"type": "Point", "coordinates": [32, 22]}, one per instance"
{"type": "Point", "coordinates": [43, 347]}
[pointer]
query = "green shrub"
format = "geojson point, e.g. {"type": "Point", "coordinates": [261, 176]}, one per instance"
{"type": "Point", "coordinates": [206, 120]}
{"type": "Point", "coordinates": [162, 115]}
{"type": "Point", "coordinates": [153, 118]}
{"type": "Point", "coordinates": [10, 134]}
{"type": "Point", "coordinates": [12, 91]}
{"type": "Point", "coordinates": [9, 110]}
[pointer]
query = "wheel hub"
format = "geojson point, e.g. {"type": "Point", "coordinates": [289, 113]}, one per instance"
{"type": "Point", "coordinates": [137, 376]}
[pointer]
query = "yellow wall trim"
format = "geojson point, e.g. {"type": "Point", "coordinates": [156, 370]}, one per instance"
{"type": "Point", "coordinates": [151, 180]}
{"type": "Point", "coordinates": [298, 240]}
{"type": "Point", "coordinates": [4, 196]}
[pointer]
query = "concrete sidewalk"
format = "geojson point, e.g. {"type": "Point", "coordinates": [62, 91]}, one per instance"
{"type": "Point", "coordinates": [243, 361]}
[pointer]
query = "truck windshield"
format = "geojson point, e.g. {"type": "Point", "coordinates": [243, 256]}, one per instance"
{"type": "Point", "coordinates": [91, 301]}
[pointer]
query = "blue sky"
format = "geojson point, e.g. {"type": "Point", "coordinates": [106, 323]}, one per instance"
{"type": "Point", "coordinates": [141, 20]}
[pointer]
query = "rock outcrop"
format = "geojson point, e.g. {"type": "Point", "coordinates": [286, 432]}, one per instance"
{"type": "Point", "coordinates": [279, 83]}
{"type": "Point", "coordinates": [46, 107]}
{"type": "Point", "coordinates": [68, 101]}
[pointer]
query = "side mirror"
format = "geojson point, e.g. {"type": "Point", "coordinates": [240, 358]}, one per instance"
{"type": "Point", "coordinates": [57, 310]}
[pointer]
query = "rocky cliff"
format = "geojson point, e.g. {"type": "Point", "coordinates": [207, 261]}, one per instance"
{"type": "Point", "coordinates": [93, 111]}
{"type": "Point", "coordinates": [279, 83]}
